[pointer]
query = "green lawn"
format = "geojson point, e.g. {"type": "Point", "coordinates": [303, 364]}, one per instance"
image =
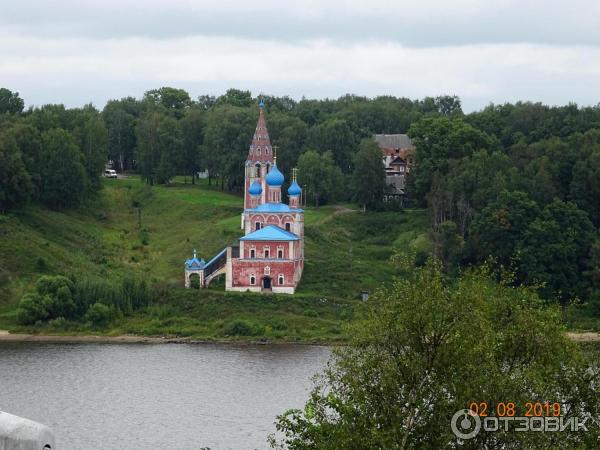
{"type": "Point", "coordinates": [346, 252]}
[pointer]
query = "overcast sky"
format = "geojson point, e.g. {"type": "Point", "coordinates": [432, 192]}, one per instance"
{"type": "Point", "coordinates": [81, 51]}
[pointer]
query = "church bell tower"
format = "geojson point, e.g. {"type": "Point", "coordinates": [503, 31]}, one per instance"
{"type": "Point", "coordinates": [258, 162]}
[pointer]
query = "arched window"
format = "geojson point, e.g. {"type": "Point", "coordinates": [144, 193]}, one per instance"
{"type": "Point", "coordinates": [252, 253]}
{"type": "Point", "coordinates": [252, 279]}
{"type": "Point", "coordinates": [266, 252]}
{"type": "Point", "coordinates": [257, 226]}
{"type": "Point", "coordinates": [257, 170]}
{"type": "Point", "coordinates": [258, 151]}
{"type": "Point", "coordinates": [280, 279]}
{"type": "Point", "coordinates": [280, 253]}
{"type": "Point", "coordinates": [288, 226]}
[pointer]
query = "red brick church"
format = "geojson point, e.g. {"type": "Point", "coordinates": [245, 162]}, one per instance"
{"type": "Point", "coordinates": [270, 255]}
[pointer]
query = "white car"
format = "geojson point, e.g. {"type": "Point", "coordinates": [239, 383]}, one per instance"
{"type": "Point", "coordinates": [110, 173]}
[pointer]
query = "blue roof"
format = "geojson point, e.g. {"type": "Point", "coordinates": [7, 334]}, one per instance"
{"type": "Point", "coordinates": [195, 263]}
{"type": "Point", "coordinates": [294, 189]}
{"type": "Point", "coordinates": [255, 188]}
{"type": "Point", "coordinates": [274, 177]}
{"type": "Point", "coordinates": [275, 208]}
{"type": "Point", "coordinates": [270, 233]}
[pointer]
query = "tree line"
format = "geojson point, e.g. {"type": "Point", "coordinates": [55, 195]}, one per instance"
{"type": "Point", "coordinates": [56, 155]}
{"type": "Point", "coordinates": [519, 184]}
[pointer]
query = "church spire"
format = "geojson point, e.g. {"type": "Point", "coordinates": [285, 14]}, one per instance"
{"type": "Point", "coordinates": [260, 148]}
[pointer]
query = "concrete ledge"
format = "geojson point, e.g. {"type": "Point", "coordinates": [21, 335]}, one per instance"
{"type": "Point", "coordinates": [17, 433]}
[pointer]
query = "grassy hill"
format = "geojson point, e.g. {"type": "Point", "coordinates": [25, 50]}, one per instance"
{"type": "Point", "coordinates": [346, 252]}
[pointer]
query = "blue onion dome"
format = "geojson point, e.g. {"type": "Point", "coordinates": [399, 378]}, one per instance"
{"type": "Point", "coordinates": [275, 178]}
{"type": "Point", "coordinates": [255, 188]}
{"type": "Point", "coordinates": [294, 189]}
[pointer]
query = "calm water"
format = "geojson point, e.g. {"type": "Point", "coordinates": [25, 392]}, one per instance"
{"type": "Point", "coordinates": [164, 396]}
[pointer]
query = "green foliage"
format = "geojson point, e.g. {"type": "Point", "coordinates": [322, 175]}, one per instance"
{"type": "Point", "coordinates": [15, 182]}
{"type": "Point", "coordinates": [99, 315]}
{"type": "Point", "coordinates": [428, 348]}
{"type": "Point", "coordinates": [92, 137]}
{"type": "Point", "coordinates": [368, 179]}
{"type": "Point", "coordinates": [554, 250]}
{"type": "Point", "coordinates": [323, 179]}
{"type": "Point", "coordinates": [58, 296]}
{"type": "Point", "coordinates": [33, 308]}
{"type": "Point", "coordinates": [10, 102]}
{"type": "Point", "coordinates": [585, 188]}
{"type": "Point", "coordinates": [227, 133]}
{"type": "Point", "coordinates": [335, 136]}
{"type": "Point", "coordinates": [241, 328]}
{"type": "Point", "coordinates": [160, 147]}
{"type": "Point", "coordinates": [174, 101]}
{"type": "Point", "coordinates": [53, 297]}
{"type": "Point", "coordinates": [499, 227]}
{"type": "Point", "coordinates": [438, 140]}
{"type": "Point", "coordinates": [119, 117]}
{"type": "Point", "coordinates": [64, 182]}
{"type": "Point", "coordinates": [448, 245]}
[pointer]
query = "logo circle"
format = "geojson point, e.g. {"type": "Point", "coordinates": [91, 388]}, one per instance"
{"type": "Point", "coordinates": [465, 424]}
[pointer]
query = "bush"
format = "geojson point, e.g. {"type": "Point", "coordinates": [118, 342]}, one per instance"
{"type": "Point", "coordinates": [241, 328]}
{"type": "Point", "coordinates": [99, 315]}
{"type": "Point", "coordinates": [310, 313]}
{"type": "Point", "coordinates": [53, 298]}
{"type": "Point", "coordinates": [60, 297]}
{"type": "Point", "coordinates": [33, 308]}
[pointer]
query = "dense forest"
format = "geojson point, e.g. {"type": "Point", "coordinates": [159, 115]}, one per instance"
{"type": "Point", "coordinates": [513, 185]}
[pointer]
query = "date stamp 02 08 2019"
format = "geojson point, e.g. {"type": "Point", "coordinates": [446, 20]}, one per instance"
{"type": "Point", "coordinates": [511, 409]}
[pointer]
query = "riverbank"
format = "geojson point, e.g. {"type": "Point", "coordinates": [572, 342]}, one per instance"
{"type": "Point", "coordinates": [5, 336]}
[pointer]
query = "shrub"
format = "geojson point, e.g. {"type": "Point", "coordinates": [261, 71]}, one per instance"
{"type": "Point", "coordinates": [33, 308]}
{"type": "Point", "coordinates": [60, 323]}
{"type": "Point", "coordinates": [310, 313]}
{"type": "Point", "coordinates": [241, 328]}
{"type": "Point", "coordinates": [53, 298]}
{"type": "Point", "coordinates": [99, 315]}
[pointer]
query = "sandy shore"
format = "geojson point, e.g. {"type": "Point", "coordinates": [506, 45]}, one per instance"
{"type": "Point", "coordinates": [5, 336]}
{"type": "Point", "coordinates": [587, 336]}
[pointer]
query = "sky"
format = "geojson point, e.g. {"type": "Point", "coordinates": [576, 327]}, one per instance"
{"type": "Point", "coordinates": [485, 51]}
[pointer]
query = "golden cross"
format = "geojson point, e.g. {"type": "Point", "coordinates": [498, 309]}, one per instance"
{"type": "Point", "coordinates": [275, 152]}
{"type": "Point", "coordinates": [294, 173]}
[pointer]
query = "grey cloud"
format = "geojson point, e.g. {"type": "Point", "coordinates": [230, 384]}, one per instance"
{"type": "Point", "coordinates": [546, 22]}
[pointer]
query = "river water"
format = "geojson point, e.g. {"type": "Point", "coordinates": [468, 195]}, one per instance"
{"type": "Point", "coordinates": [165, 396]}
